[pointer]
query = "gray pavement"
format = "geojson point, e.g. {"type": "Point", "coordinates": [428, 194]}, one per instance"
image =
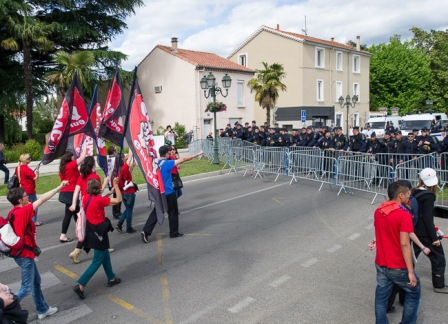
{"type": "Point", "coordinates": [255, 251]}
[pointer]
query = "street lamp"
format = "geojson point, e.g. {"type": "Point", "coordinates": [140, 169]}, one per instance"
{"type": "Point", "coordinates": [209, 83]}
{"type": "Point", "coordinates": [429, 104]}
{"type": "Point", "coordinates": [349, 102]}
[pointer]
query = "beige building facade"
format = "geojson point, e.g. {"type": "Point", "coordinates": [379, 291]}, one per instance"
{"type": "Point", "coordinates": [318, 72]}
{"type": "Point", "coordinates": [169, 78]}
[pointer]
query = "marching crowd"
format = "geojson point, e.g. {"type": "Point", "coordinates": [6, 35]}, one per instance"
{"type": "Point", "coordinates": [334, 139]}
{"type": "Point", "coordinates": [81, 191]}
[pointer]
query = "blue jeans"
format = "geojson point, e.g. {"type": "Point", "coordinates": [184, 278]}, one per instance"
{"type": "Point", "coordinates": [385, 279]}
{"type": "Point", "coordinates": [6, 170]}
{"type": "Point", "coordinates": [128, 202]}
{"type": "Point", "coordinates": [31, 283]}
{"type": "Point", "coordinates": [100, 258]}
{"type": "Point", "coordinates": [33, 198]}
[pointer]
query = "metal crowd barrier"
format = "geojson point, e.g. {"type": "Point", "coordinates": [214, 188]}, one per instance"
{"type": "Point", "coordinates": [241, 158]}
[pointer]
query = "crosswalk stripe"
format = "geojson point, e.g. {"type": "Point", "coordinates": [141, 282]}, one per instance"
{"type": "Point", "coordinates": [7, 264]}
{"type": "Point", "coordinates": [48, 279]}
{"type": "Point", "coordinates": [67, 316]}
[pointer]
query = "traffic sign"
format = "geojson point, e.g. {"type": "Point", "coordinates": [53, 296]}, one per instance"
{"type": "Point", "coordinates": [303, 116]}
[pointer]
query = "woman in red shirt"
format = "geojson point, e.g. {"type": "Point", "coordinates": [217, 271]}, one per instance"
{"type": "Point", "coordinates": [127, 190]}
{"type": "Point", "coordinates": [97, 227]}
{"type": "Point", "coordinates": [175, 172]}
{"type": "Point", "coordinates": [68, 170]}
{"type": "Point", "coordinates": [27, 180]}
{"type": "Point", "coordinates": [87, 171]}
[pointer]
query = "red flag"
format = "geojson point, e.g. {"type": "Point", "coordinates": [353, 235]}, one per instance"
{"type": "Point", "coordinates": [111, 127]}
{"type": "Point", "coordinates": [72, 119]}
{"type": "Point", "coordinates": [141, 141]}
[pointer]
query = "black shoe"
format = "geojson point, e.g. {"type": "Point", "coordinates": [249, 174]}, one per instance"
{"type": "Point", "coordinates": [113, 282]}
{"type": "Point", "coordinates": [176, 235]}
{"type": "Point", "coordinates": [119, 227]}
{"type": "Point", "coordinates": [116, 216]}
{"type": "Point", "coordinates": [144, 237]}
{"type": "Point", "coordinates": [391, 309]}
{"type": "Point", "coordinates": [130, 230]}
{"type": "Point", "coordinates": [78, 291]}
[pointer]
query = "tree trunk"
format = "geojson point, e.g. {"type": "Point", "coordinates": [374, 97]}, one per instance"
{"type": "Point", "coordinates": [268, 115]}
{"type": "Point", "coordinates": [28, 72]}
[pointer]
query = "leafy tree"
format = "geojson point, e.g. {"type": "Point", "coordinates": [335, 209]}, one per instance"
{"type": "Point", "coordinates": [266, 86]}
{"type": "Point", "coordinates": [399, 76]}
{"type": "Point", "coordinates": [434, 45]}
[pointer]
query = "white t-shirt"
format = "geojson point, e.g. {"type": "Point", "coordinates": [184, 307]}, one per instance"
{"type": "Point", "coordinates": [170, 136]}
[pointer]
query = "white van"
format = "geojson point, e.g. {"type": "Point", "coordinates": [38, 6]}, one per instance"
{"type": "Point", "coordinates": [379, 124]}
{"type": "Point", "coordinates": [418, 121]}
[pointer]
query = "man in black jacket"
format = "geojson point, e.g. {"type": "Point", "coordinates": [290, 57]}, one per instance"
{"type": "Point", "coordinates": [3, 163]}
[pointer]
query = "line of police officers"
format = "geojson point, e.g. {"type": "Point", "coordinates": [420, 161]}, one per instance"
{"type": "Point", "coordinates": [325, 138]}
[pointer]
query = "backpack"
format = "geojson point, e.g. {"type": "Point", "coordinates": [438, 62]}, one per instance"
{"type": "Point", "coordinates": [10, 244]}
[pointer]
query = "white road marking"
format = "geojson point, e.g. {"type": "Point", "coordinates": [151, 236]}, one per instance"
{"type": "Point", "coordinates": [334, 248]}
{"type": "Point", "coordinates": [353, 237]}
{"type": "Point", "coordinates": [233, 198]}
{"type": "Point", "coordinates": [309, 263]}
{"type": "Point", "coordinates": [67, 316]}
{"type": "Point", "coordinates": [48, 279]}
{"type": "Point", "coordinates": [279, 281]}
{"type": "Point", "coordinates": [7, 264]}
{"type": "Point", "coordinates": [241, 305]}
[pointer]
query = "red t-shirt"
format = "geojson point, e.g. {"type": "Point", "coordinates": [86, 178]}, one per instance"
{"type": "Point", "coordinates": [27, 179]}
{"type": "Point", "coordinates": [95, 211]}
{"type": "Point", "coordinates": [390, 219]}
{"type": "Point", "coordinates": [175, 169]}
{"type": "Point", "coordinates": [125, 175]}
{"type": "Point", "coordinates": [83, 182]}
{"type": "Point", "coordinates": [23, 220]}
{"type": "Point", "coordinates": [71, 174]}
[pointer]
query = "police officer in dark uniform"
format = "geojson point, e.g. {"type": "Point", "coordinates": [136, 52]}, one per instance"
{"type": "Point", "coordinates": [262, 136]}
{"type": "Point", "coordinates": [316, 136]}
{"type": "Point", "coordinates": [238, 134]}
{"type": "Point", "coordinates": [357, 141]}
{"type": "Point", "coordinates": [295, 138]}
{"type": "Point", "coordinates": [390, 127]}
{"type": "Point", "coordinates": [411, 144]}
{"type": "Point", "coordinates": [257, 138]}
{"type": "Point", "coordinates": [302, 136]}
{"type": "Point", "coordinates": [271, 138]}
{"type": "Point", "coordinates": [400, 147]}
{"type": "Point", "coordinates": [374, 146]}
{"type": "Point", "coordinates": [426, 143]}
{"type": "Point", "coordinates": [340, 141]}
{"type": "Point", "coordinates": [308, 136]}
{"type": "Point", "coordinates": [326, 142]}
{"type": "Point", "coordinates": [285, 137]}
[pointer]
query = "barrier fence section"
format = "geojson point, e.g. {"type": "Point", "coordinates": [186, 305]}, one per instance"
{"type": "Point", "coordinates": [241, 158]}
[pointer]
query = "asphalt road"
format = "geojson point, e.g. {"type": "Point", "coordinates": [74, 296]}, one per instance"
{"type": "Point", "coordinates": [255, 251]}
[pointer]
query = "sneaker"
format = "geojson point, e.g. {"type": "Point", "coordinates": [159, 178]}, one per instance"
{"type": "Point", "coordinates": [442, 290]}
{"type": "Point", "coordinates": [144, 237]}
{"type": "Point", "coordinates": [79, 292]}
{"type": "Point", "coordinates": [119, 227]}
{"type": "Point", "coordinates": [130, 230]}
{"type": "Point", "coordinates": [50, 311]}
{"type": "Point", "coordinates": [111, 250]}
{"type": "Point", "coordinates": [176, 235]}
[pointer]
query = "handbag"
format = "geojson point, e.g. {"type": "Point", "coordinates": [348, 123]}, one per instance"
{"type": "Point", "coordinates": [177, 181]}
{"type": "Point", "coordinates": [13, 182]}
{"type": "Point", "coordinates": [66, 197]}
{"type": "Point", "coordinates": [81, 223]}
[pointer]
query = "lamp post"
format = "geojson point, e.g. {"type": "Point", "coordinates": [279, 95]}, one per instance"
{"type": "Point", "coordinates": [209, 83]}
{"type": "Point", "coordinates": [429, 104]}
{"type": "Point", "coordinates": [349, 102]}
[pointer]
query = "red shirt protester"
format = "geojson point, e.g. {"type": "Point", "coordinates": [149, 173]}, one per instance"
{"type": "Point", "coordinates": [22, 223]}
{"type": "Point", "coordinates": [72, 175]}
{"type": "Point", "coordinates": [387, 231]}
{"type": "Point", "coordinates": [95, 213]}
{"type": "Point", "coordinates": [125, 175]}
{"type": "Point", "coordinates": [26, 179]}
{"type": "Point", "coordinates": [83, 182]}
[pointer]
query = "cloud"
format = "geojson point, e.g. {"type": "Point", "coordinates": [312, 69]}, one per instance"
{"type": "Point", "coordinates": [219, 27]}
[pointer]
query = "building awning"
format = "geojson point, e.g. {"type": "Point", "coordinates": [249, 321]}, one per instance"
{"type": "Point", "coordinates": [295, 113]}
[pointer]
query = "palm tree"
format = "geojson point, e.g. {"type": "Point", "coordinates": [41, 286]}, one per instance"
{"type": "Point", "coordinates": [27, 35]}
{"type": "Point", "coordinates": [266, 85]}
{"type": "Point", "coordinates": [80, 62]}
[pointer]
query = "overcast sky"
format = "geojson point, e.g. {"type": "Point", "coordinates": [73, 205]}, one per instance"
{"type": "Point", "coordinates": [220, 26]}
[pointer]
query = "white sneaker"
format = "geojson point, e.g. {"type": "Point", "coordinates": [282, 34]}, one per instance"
{"type": "Point", "coordinates": [111, 250]}
{"type": "Point", "coordinates": [50, 311]}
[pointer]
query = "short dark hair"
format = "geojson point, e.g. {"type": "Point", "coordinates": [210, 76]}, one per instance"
{"type": "Point", "coordinates": [396, 188]}
{"type": "Point", "coordinates": [14, 195]}
{"type": "Point", "coordinates": [93, 187]}
{"type": "Point", "coordinates": [111, 150]}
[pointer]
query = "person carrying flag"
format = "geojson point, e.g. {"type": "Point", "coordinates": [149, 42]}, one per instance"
{"type": "Point", "coordinates": [166, 166]}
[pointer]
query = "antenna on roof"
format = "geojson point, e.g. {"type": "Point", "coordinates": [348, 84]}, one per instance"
{"type": "Point", "coordinates": [305, 31]}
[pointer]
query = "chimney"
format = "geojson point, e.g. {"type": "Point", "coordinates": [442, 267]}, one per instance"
{"type": "Point", "coordinates": [278, 26]}
{"type": "Point", "coordinates": [358, 43]}
{"type": "Point", "coordinates": [174, 44]}
{"type": "Point", "coordinates": [332, 40]}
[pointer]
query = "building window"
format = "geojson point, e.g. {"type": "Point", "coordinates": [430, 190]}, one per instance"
{"type": "Point", "coordinates": [338, 119]}
{"type": "Point", "coordinates": [239, 91]}
{"type": "Point", "coordinates": [320, 57]}
{"type": "Point", "coordinates": [338, 90]}
{"type": "Point", "coordinates": [356, 89]}
{"type": "Point", "coordinates": [232, 121]}
{"type": "Point", "coordinates": [338, 61]}
{"type": "Point", "coordinates": [242, 59]}
{"type": "Point", "coordinates": [320, 90]}
{"type": "Point", "coordinates": [356, 119]}
{"type": "Point", "coordinates": [356, 64]}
